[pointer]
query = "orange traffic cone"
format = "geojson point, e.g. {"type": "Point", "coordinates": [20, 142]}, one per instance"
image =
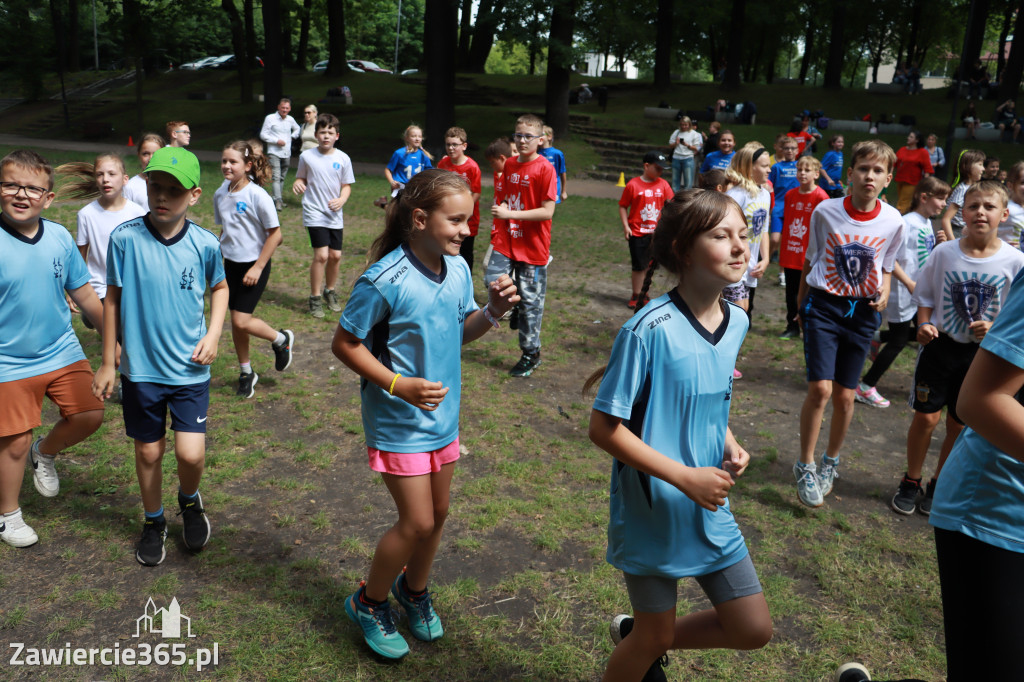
{"type": "Point", "coordinates": [622, 180]}
{"type": "Point", "coordinates": [131, 143]}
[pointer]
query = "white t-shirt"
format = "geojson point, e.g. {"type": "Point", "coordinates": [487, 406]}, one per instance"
{"type": "Point", "coordinates": [918, 242]}
{"type": "Point", "coordinates": [960, 289]}
{"type": "Point", "coordinates": [324, 174]}
{"type": "Point", "coordinates": [849, 250]}
{"type": "Point", "coordinates": [137, 190]}
{"type": "Point", "coordinates": [246, 216]}
{"type": "Point", "coordinates": [95, 224]}
{"type": "Point", "coordinates": [957, 197]}
{"type": "Point", "coordinates": [757, 212]}
{"type": "Point", "coordinates": [1010, 229]}
{"type": "Point", "coordinates": [691, 137]}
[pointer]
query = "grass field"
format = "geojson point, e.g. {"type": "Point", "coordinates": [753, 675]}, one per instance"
{"type": "Point", "coordinates": [521, 582]}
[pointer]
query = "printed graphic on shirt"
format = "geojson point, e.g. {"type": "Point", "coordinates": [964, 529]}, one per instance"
{"type": "Point", "coordinates": [851, 265]}
{"type": "Point", "coordinates": [925, 244]}
{"type": "Point", "coordinates": [967, 297]}
{"type": "Point", "coordinates": [240, 207]}
{"type": "Point", "coordinates": [798, 229]}
{"type": "Point", "coordinates": [757, 221]}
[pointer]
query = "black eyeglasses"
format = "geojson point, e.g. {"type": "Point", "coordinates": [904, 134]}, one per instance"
{"type": "Point", "coordinates": [11, 189]}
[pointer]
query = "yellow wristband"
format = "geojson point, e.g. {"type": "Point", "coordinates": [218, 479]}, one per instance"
{"type": "Point", "coordinates": [394, 381]}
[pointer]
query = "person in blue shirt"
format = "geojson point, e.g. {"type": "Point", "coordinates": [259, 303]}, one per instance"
{"type": "Point", "coordinates": [721, 158]}
{"type": "Point", "coordinates": [978, 510]}
{"type": "Point", "coordinates": [402, 331]}
{"type": "Point", "coordinates": [39, 352]}
{"type": "Point", "coordinates": [662, 413]}
{"type": "Point", "coordinates": [831, 179]}
{"type": "Point", "coordinates": [557, 159]}
{"type": "Point", "coordinates": [407, 161]}
{"type": "Point", "coordinates": [783, 178]}
{"type": "Point", "coordinates": [158, 269]}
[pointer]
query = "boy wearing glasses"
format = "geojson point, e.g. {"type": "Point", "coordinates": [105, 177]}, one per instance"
{"type": "Point", "coordinates": [530, 190]}
{"type": "Point", "coordinates": [39, 352]}
{"type": "Point", "coordinates": [455, 142]}
{"type": "Point", "coordinates": [179, 134]}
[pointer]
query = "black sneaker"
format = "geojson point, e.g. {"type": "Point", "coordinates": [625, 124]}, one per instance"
{"type": "Point", "coordinates": [790, 333]}
{"type": "Point", "coordinates": [283, 353]}
{"type": "Point", "coordinates": [905, 500]}
{"type": "Point", "coordinates": [924, 505]}
{"type": "Point", "coordinates": [527, 363]}
{"type": "Point", "coordinates": [621, 626]}
{"type": "Point", "coordinates": [247, 384]}
{"type": "Point", "coordinates": [150, 549]}
{"type": "Point", "coordinates": [196, 532]}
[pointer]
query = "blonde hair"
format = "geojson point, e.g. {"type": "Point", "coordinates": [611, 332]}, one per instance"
{"type": "Point", "coordinates": [82, 174]}
{"type": "Point", "coordinates": [809, 160]}
{"type": "Point", "coordinates": [405, 137]}
{"type": "Point", "coordinates": [742, 166]}
{"type": "Point", "coordinates": [873, 149]}
{"type": "Point", "coordinates": [531, 120]}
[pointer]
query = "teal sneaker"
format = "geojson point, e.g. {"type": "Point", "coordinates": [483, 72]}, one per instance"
{"type": "Point", "coordinates": [423, 620]}
{"type": "Point", "coordinates": [378, 624]}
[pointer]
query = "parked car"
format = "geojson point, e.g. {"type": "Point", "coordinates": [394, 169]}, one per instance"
{"type": "Point", "coordinates": [216, 62]}
{"type": "Point", "coordinates": [198, 64]}
{"type": "Point", "coordinates": [353, 65]}
{"type": "Point", "coordinates": [320, 67]}
{"type": "Point", "coordinates": [232, 63]}
{"type": "Point", "coordinates": [363, 65]}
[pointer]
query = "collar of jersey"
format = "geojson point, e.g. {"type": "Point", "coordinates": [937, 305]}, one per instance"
{"type": "Point", "coordinates": [861, 216]}
{"type": "Point", "coordinates": [157, 236]}
{"type": "Point", "coordinates": [18, 235]}
{"type": "Point", "coordinates": [424, 270]}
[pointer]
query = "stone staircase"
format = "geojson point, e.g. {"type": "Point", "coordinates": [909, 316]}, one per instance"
{"type": "Point", "coordinates": [618, 153]}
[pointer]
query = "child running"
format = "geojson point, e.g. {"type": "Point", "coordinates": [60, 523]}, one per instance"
{"type": "Point", "coordinates": [748, 173]}
{"type": "Point", "coordinates": [250, 234]}
{"type": "Point", "coordinates": [402, 331]}
{"type": "Point", "coordinates": [662, 413]}
{"type": "Point", "coordinates": [798, 205]}
{"type": "Point", "coordinates": [969, 169]}
{"type": "Point", "coordinates": [456, 161]}
{"type": "Point", "coordinates": [832, 168]}
{"type": "Point", "coordinates": [918, 241]}
{"type": "Point", "coordinates": [135, 189]}
{"type": "Point", "coordinates": [639, 208]}
{"type": "Point", "coordinates": [960, 291]}
{"type": "Point", "coordinates": [409, 160]}
{"type": "Point", "coordinates": [851, 252]}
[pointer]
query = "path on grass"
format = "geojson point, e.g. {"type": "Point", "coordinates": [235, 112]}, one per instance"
{"type": "Point", "coordinates": [598, 189]}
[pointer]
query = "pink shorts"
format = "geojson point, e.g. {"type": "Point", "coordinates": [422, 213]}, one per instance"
{"type": "Point", "coordinates": [413, 463]}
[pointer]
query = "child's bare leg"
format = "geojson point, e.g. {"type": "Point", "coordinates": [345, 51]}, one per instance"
{"type": "Point", "coordinates": [148, 457]}
{"type": "Point", "coordinates": [743, 623]}
{"type": "Point", "coordinates": [637, 279]}
{"type": "Point", "coordinates": [316, 270]}
{"type": "Point", "coordinates": [13, 453]}
{"type": "Point", "coordinates": [818, 393]}
{"type": "Point", "coordinates": [333, 261]}
{"type": "Point", "coordinates": [842, 415]}
{"type": "Point", "coordinates": [422, 558]}
{"type": "Point", "coordinates": [244, 325]}
{"type": "Point", "coordinates": [651, 637]}
{"type": "Point", "coordinates": [414, 498]}
{"type": "Point", "coordinates": [919, 437]}
{"type": "Point", "coordinates": [190, 451]}
{"type": "Point", "coordinates": [953, 429]}
{"type": "Point", "coordinates": [71, 430]}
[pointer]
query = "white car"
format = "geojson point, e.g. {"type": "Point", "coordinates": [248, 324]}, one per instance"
{"type": "Point", "coordinates": [198, 64]}
{"type": "Point", "coordinates": [217, 61]}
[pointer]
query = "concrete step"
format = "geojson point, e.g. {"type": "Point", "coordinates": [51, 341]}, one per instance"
{"type": "Point", "coordinates": [601, 144]}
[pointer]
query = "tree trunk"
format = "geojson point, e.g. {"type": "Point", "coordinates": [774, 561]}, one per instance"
{"type": "Point", "coordinates": [915, 24]}
{"type": "Point", "coordinates": [663, 45]}
{"type": "Point", "coordinates": [238, 45]}
{"type": "Point", "coordinates": [287, 56]}
{"type": "Point", "coordinates": [856, 66]}
{"type": "Point", "coordinates": [74, 56]}
{"type": "Point", "coordinates": [488, 16]}
{"type": "Point", "coordinates": [734, 52]}
{"type": "Point", "coordinates": [556, 85]}
{"type": "Point", "coordinates": [440, 33]}
{"type": "Point", "coordinates": [1003, 34]}
{"type": "Point", "coordinates": [836, 47]}
{"type": "Point", "coordinates": [272, 71]}
{"type": "Point", "coordinates": [336, 48]}
{"type": "Point", "coordinates": [976, 33]}
{"type": "Point", "coordinates": [712, 51]}
{"type": "Point", "coordinates": [250, 29]}
{"type": "Point", "coordinates": [805, 63]}
{"type": "Point", "coordinates": [1010, 84]}
{"type": "Point", "coordinates": [465, 31]}
{"type": "Point", "coordinates": [302, 58]}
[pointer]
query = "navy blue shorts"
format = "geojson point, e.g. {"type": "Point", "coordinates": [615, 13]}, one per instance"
{"type": "Point", "coordinates": [941, 369]}
{"type": "Point", "coordinates": [837, 336]}
{"type": "Point", "coordinates": [145, 408]}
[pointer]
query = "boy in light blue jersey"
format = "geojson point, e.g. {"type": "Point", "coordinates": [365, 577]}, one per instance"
{"type": "Point", "coordinates": [557, 159]}
{"type": "Point", "coordinates": [39, 352]}
{"type": "Point", "coordinates": [158, 269]}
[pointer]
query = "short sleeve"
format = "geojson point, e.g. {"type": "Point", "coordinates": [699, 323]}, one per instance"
{"type": "Point", "coordinates": [83, 237]}
{"type": "Point", "coordinates": [627, 195]}
{"type": "Point", "coordinates": [364, 309]}
{"type": "Point", "coordinates": [396, 161]}
{"type": "Point", "coordinates": [302, 171]}
{"type": "Point", "coordinates": [813, 237]}
{"type": "Point", "coordinates": [426, 161]}
{"type": "Point", "coordinates": [213, 265]}
{"type": "Point", "coordinates": [893, 248]}
{"type": "Point", "coordinates": [624, 377]}
{"type": "Point", "coordinates": [78, 273]}
{"type": "Point", "coordinates": [1006, 336]}
{"type": "Point", "coordinates": [475, 184]}
{"type": "Point", "coordinates": [924, 289]}
{"type": "Point", "coordinates": [115, 258]}
{"type": "Point", "coordinates": [266, 211]}
{"type": "Point", "coordinates": [347, 176]}
{"type": "Point", "coordinates": [218, 219]}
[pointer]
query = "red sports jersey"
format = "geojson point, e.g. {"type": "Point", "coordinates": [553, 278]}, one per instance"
{"type": "Point", "coordinates": [499, 227]}
{"type": "Point", "coordinates": [527, 186]}
{"type": "Point", "coordinates": [796, 222]}
{"type": "Point", "coordinates": [471, 172]}
{"type": "Point", "coordinates": [644, 200]}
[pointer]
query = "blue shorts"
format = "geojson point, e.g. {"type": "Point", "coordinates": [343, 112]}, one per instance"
{"type": "Point", "coordinates": [837, 336]}
{"type": "Point", "coordinates": [775, 227]}
{"type": "Point", "coordinates": [941, 369]}
{"type": "Point", "coordinates": [145, 408]}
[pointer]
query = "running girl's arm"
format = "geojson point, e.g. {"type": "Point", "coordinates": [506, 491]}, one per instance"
{"type": "Point", "coordinates": [274, 239]}
{"type": "Point", "coordinates": [336, 203]}
{"type": "Point", "coordinates": [565, 185]}
{"type": "Point", "coordinates": [624, 216]}
{"type": "Point", "coordinates": [926, 331]}
{"type": "Point", "coordinates": [947, 220]}
{"type": "Point", "coordinates": [348, 348]}
{"type": "Point", "coordinates": [206, 349]}
{"type": "Point", "coordinates": [390, 178]}
{"type": "Point", "coordinates": [988, 405]}
{"type": "Point", "coordinates": [901, 276]}
{"type": "Point", "coordinates": [706, 486]}
{"type": "Point", "coordinates": [501, 296]}
{"type": "Point", "coordinates": [735, 459]}
{"type": "Point", "coordinates": [545, 212]}
{"type": "Point", "coordinates": [763, 247]}
{"type": "Point", "coordinates": [85, 298]}
{"type": "Point", "coordinates": [103, 381]}
{"type": "Point", "coordinates": [882, 298]}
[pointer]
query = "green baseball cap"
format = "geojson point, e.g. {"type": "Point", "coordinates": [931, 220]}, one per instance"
{"type": "Point", "coordinates": [179, 162]}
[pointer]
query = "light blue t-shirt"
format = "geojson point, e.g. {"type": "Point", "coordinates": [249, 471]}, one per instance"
{"type": "Point", "coordinates": [671, 381]}
{"type": "Point", "coordinates": [716, 159]}
{"type": "Point", "coordinates": [34, 274]}
{"type": "Point", "coordinates": [557, 159]}
{"type": "Point", "coordinates": [411, 320]}
{"type": "Point", "coordinates": [981, 490]}
{"type": "Point", "coordinates": [162, 308]}
{"type": "Point", "coordinates": [405, 164]}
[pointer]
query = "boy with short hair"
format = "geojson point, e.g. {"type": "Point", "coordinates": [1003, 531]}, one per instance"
{"type": "Point", "coordinates": [783, 178]}
{"type": "Point", "coordinates": [158, 269]}
{"type": "Point", "coordinates": [39, 352]}
{"type": "Point", "coordinates": [851, 252]}
{"type": "Point", "coordinates": [798, 206]}
{"type": "Point", "coordinates": [178, 134]}
{"type": "Point", "coordinates": [456, 161]}
{"type": "Point", "coordinates": [639, 210]}
{"type": "Point", "coordinates": [959, 293]}
{"type": "Point", "coordinates": [324, 181]}
{"type": "Point", "coordinates": [497, 153]}
{"type": "Point", "coordinates": [529, 191]}
{"type": "Point", "coordinates": [557, 159]}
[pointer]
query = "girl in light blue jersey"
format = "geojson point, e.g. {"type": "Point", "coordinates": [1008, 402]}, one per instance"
{"type": "Point", "coordinates": [401, 331]}
{"type": "Point", "coordinates": [662, 412]}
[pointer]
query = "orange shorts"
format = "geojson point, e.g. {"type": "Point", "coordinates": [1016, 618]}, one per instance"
{"type": "Point", "coordinates": [413, 463]}
{"type": "Point", "coordinates": [70, 389]}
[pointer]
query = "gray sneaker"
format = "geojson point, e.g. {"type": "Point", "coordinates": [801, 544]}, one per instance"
{"type": "Point", "coordinates": [827, 473]}
{"type": "Point", "coordinates": [331, 299]}
{"type": "Point", "coordinates": [316, 306]}
{"type": "Point", "coordinates": [807, 484]}
{"type": "Point", "coordinates": [44, 473]}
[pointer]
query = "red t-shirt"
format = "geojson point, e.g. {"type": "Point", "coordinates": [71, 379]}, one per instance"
{"type": "Point", "coordinates": [644, 200]}
{"type": "Point", "coordinates": [796, 222]}
{"type": "Point", "coordinates": [527, 186]}
{"type": "Point", "coordinates": [471, 172]}
{"type": "Point", "coordinates": [803, 138]}
{"type": "Point", "coordinates": [911, 164]}
{"type": "Point", "coordinates": [499, 227]}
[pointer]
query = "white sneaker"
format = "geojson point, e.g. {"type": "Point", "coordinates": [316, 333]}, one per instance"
{"type": "Point", "coordinates": [15, 532]}
{"type": "Point", "coordinates": [807, 484]}
{"type": "Point", "coordinates": [828, 472]}
{"type": "Point", "coordinates": [44, 473]}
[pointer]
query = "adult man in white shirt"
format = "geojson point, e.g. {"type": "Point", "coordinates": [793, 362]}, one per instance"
{"type": "Point", "coordinates": [278, 131]}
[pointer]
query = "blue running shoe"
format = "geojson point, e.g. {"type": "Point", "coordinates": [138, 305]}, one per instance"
{"type": "Point", "coordinates": [378, 624]}
{"type": "Point", "coordinates": [423, 620]}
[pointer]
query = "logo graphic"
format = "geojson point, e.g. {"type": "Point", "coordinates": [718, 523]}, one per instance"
{"type": "Point", "coordinates": [514, 178]}
{"type": "Point", "coordinates": [170, 621]}
{"type": "Point", "coordinates": [925, 244]}
{"type": "Point", "coordinates": [649, 217]}
{"type": "Point", "coordinates": [336, 165]}
{"type": "Point", "coordinates": [187, 279]}
{"type": "Point", "coordinates": [240, 207]}
{"type": "Point", "coordinates": [462, 311]}
{"type": "Point", "coordinates": [200, 421]}
{"type": "Point", "coordinates": [174, 160]}
{"type": "Point", "coordinates": [971, 299]}
{"type": "Point", "coordinates": [854, 262]}
{"type": "Point", "coordinates": [515, 203]}
{"type": "Point", "coordinates": [58, 268]}
{"type": "Point", "coordinates": [757, 221]}
{"type": "Point", "coordinates": [798, 228]}
{"type": "Point", "coordinates": [648, 193]}
{"type": "Point", "coordinates": [728, 392]}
